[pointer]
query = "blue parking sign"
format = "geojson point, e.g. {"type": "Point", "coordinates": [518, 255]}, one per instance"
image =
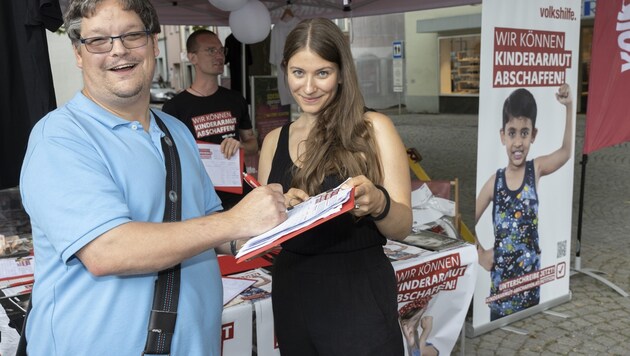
{"type": "Point", "coordinates": [397, 49]}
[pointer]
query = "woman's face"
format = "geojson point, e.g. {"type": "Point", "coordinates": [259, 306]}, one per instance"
{"type": "Point", "coordinates": [313, 81]}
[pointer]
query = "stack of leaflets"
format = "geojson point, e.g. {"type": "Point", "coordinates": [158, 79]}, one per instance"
{"type": "Point", "coordinates": [433, 242]}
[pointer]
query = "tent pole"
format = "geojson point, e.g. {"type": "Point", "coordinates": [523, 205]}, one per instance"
{"type": "Point", "coordinates": [578, 263]}
{"type": "Point", "coordinates": [580, 213]}
{"type": "Point", "coordinates": [243, 71]}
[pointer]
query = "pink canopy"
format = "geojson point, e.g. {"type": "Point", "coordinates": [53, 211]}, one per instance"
{"type": "Point", "coordinates": [201, 12]}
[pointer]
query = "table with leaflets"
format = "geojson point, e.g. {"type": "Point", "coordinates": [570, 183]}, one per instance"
{"type": "Point", "coordinates": [435, 287]}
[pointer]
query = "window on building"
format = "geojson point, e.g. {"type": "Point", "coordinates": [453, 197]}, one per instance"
{"type": "Point", "coordinates": [459, 64]}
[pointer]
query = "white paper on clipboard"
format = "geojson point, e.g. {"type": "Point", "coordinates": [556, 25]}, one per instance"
{"type": "Point", "coordinates": [224, 173]}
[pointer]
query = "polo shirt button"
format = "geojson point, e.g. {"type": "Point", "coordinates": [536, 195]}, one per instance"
{"type": "Point", "coordinates": [172, 195]}
{"type": "Point", "coordinates": [134, 127]}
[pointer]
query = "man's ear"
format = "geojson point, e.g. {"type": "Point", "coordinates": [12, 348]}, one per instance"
{"type": "Point", "coordinates": [502, 136]}
{"type": "Point", "coordinates": [77, 55]}
{"type": "Point", "coordinates": [156, 48]}
{"type": "Point", "coordinates": [534, 132]}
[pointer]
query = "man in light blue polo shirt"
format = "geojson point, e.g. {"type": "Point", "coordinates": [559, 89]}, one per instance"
{"type": "Point", "coordinates": [93, 183]}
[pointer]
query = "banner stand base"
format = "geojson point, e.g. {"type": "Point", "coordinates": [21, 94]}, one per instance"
{"type": "Point", "coordinates": [597, 275]}
{"type": "Point", "coordinates": [525, 332]}
{"type": "Point", "coordinates": [556, 314]}
{"type": "Point", "coordinates": [472, 331]}
{"type": "Point", "coordinates": [515, 330]}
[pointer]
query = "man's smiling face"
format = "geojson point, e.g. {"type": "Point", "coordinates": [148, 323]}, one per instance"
{"type": "Point", "coordinates": [120, 74]}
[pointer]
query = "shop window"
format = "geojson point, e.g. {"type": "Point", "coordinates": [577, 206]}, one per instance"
{"type": "Point", "coordinates": [459, 65]}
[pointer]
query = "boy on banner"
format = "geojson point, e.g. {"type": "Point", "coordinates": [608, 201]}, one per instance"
{"type": "Point", "coordinates": [513, 193]}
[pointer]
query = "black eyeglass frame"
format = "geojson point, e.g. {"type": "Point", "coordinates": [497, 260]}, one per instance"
{"type": "Point", "coordinates": [87, 44]}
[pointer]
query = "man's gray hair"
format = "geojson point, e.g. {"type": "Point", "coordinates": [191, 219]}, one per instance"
{"type": "Point", "coordinates": [79, 9]}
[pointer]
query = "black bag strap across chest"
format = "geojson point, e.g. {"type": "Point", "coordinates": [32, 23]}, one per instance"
{"type": "Point", "coordinates": [164, 311]}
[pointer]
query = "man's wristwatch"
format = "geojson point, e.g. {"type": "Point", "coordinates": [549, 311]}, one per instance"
{"type": "Point", "coordinates": [233, 247]}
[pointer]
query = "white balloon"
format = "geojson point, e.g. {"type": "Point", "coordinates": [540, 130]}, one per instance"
{"type": "Point", "coordinates": [251, 23]}
{"type": "Point", "coordinates": [228, 5]}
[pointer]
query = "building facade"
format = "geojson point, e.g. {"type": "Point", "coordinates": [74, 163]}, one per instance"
{"type": "Point", "coordinates": [440, 63]}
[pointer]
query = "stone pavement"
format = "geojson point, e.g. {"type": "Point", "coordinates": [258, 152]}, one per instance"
{"type": "Point", "coordinates": [597, 317]}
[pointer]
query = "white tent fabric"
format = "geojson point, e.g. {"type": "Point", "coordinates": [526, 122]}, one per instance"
{"type": "Point", "coordinates": [201, 12]}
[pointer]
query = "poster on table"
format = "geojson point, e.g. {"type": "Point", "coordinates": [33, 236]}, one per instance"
{"type": "Point", "coordinates": [238, 314]}
{"type": "Point", "coordinates": [525, 166]}
{"type": "Point", "coordinates": [237, 330]}
{"type": "Point", "coordinates": [434, 293]}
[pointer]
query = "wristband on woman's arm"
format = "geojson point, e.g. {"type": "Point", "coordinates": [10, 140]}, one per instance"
{"type": "Point", "coordinates": [388, 203]}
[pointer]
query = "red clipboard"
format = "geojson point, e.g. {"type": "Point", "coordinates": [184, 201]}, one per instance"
{"type": "Point", "coordinates": [241, 162]}
{"type": "Point", "coordinates": [275, 244]}
{"type": "Point", "coordinates": [228, 264]}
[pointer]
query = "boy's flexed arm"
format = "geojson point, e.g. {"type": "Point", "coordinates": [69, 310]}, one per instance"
{"type": "Point", "coordinates": [552, 162]}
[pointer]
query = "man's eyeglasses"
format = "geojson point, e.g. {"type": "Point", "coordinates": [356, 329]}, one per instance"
{"type": "Point", "coordinates": [105, 44]}
{"type": "Point", "coordinates": [213, 51]}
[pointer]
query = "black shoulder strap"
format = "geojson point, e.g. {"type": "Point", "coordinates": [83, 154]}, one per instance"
{"type": "Point", "coordinates": [164, 312]}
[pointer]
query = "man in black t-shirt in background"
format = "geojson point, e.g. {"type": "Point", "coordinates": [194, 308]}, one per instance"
{"type": "Point", "coordinates": [213, 113]}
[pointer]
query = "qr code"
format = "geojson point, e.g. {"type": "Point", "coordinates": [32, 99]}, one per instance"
{"type": "Point", "coordinates": [562, 248]}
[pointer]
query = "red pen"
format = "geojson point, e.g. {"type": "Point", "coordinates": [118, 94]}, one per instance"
{"type": "Point", "coordinates": [250, 180]}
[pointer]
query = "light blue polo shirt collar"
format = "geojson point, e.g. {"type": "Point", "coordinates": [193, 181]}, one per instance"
{"type": "Point", "coordinates": [108, 119]}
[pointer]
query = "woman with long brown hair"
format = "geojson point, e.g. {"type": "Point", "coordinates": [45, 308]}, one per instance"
{"type": "Point", "coordinates": [334, 290]}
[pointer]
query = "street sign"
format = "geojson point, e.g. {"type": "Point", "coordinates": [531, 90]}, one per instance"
{"type": "Point", "coordinates": [397, 66]}
{"type": "Point", "coordinates": [397, 49]}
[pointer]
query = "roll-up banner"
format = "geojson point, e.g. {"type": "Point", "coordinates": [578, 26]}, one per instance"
{"type": "Point", "coordinates": [528, 81]}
